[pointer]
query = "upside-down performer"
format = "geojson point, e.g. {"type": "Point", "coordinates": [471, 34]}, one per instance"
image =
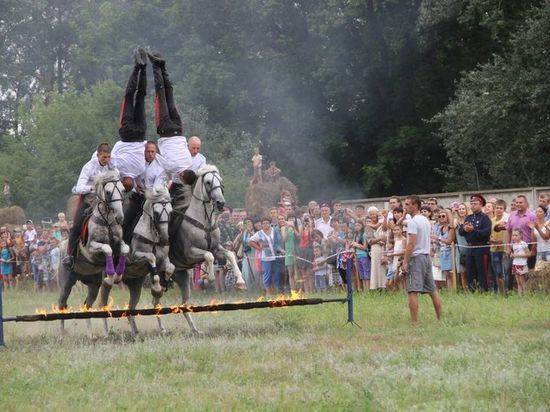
{"type": "Point", "coordinates": [176, 158]}
{"type": "Point", "coordinates": [98, 164]}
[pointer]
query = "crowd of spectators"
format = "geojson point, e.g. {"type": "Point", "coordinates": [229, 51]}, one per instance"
{"type": "Point", "coordinates": [32, 252]}
{"type": "Point", "coordinates": [480, 245]}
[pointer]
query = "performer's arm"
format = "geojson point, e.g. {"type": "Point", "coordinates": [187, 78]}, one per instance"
{"type": "Point", "coordinates": [82, 186]}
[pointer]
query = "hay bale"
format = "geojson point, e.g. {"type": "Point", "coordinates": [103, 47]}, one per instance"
{"type": "Point", "coordinates": [263, 196]}
{"type": "Point", "coordinates": [539, 278]}
{"type": "Point", "coordinates": [13, 215]}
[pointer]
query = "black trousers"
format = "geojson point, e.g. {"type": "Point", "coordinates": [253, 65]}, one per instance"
{"type": "Point", "coordinates": [167, 118]}
{"type": "Point", "coordinates": [476, 270]}
{"type": "Point", "coordinates": [132, 214]}
{"type": "Point", "coordinates": [133, 125]}
{"type": "Point", "coordinates": [83, 210]}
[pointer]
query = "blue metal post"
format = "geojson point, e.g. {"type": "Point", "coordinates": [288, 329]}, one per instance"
{"type": "Point", "coordinates": [2, 343]}
{"type": "Point", "coordinates": [349, 282]}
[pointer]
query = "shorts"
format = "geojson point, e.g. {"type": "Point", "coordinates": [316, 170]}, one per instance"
{"type": "Point", "coordinates": [420, 278]}
{"type": "Point", "coordinates": [519, 270]}
{"type": "Point", "coordinates": [320, 283]}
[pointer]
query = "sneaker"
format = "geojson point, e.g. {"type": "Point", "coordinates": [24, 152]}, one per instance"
{"type": "Point", "coordinates": [68, 262]}
{"type": "Point", "coordinates": [156, 58]}
{"type": "Point", "coordinates": [140, 56]}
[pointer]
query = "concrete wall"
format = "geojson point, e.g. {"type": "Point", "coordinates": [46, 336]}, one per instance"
{"type": "Point", "coordinates": [445, 199]}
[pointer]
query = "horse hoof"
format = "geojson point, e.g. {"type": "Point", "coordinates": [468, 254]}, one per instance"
{"type": "Point", "coordinates": [197, 333]}
{"type": "Point", "coordinates": [241, 286]}
{"type": "Point", "coordinates": [117, 279]}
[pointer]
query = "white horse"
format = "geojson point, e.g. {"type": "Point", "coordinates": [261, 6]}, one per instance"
{"type": "Point", "coordinates": [196, 239]}
{"type": "Point", "coordinates": [149, 253]}
{"type": "Point", "coordinates": [104, 238]}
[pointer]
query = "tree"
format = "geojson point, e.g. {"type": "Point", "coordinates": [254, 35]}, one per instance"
{"type": "Point", "coordinates": [497, 127]}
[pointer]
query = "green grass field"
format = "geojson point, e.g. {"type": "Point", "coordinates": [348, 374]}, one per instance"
{"type": "Point", "coordinates": [488, 353]}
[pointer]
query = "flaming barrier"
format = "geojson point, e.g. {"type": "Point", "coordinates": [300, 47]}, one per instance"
{"type": "Point", "coordinates": [167, 310]}
{"type": "Point", "coordinates": [157, 311]}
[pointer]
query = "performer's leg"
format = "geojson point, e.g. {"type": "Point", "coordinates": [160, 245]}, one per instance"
{"type": "Point", "coordinates": [140, 119]}
{"type": "Point", "coordinates": [131, 215]}
{"type": "Point", "coordinates": [78, 222]}
{"type": "Point", "coordinates": [170, 102]}
{"type": "Point", "coordinates": [165, 126]}
{"type": "Point", "coordinates": [126, 121]}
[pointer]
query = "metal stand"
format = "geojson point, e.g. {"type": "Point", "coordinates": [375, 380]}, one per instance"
{"type": "Point", "coordinates": [349, 284]}
{"type": "Point", "coordinates": [2, 343]}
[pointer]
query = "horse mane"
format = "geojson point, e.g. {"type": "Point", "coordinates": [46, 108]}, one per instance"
{"type": "Point", "coordinates": [205, 168]}
{"type": "Point", "coordinates": [107, 176]}
{"type": "Point", "coordinates": [157, 194]}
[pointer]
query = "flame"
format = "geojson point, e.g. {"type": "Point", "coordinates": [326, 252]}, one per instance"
{"type": "Point", "coordinates": [260, 299]}
{"type": "Point", "coordinates": [175, 309]}
{"type": "Point", "coordinates": [40, 311]}
{"type": "Point", "coordinates": [296, 294]}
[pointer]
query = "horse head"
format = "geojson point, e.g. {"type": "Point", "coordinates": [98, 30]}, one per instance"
{"type": "Point", "coordinates": [209, 186]}
{"type": "Point", "coordinates": [109, 189]}
{"type": "Point", "coordinates": [158, 207]}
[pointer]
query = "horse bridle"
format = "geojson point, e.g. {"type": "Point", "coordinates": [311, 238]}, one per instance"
{"type": "Point", "coordinates": [207, 190]}
{"type": "Point", "coordinates": [208, 216]}
{"type": "Point", "coordinates": [156, 222]}
{"type": "Point", "coordinates": [108, 201]}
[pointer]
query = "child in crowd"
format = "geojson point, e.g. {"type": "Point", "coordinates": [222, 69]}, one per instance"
{"type": "Point", "coordinates": [7, 258]}
{"type": "Point", "coordinates": [54, 260]}
{"type": "Point", "coordinates": [40, 263]}
{"type": "Point", "coordinates": [395, 257]}
{"type": "Point", "coordinates": [319, 270]}
{"type": "Point", "coordinates": [519, 264]}
{"type": "Point", "coordinates": [361, 256]}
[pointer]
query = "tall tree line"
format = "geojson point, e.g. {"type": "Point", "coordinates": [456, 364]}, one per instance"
{"type": "Point", "coordinates": [351, 97]}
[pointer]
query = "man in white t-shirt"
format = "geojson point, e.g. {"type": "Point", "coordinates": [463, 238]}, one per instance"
{"type": "Point", "coordinates": [417, 263]}
{"type": "Point", "coordinates": [323, 223]}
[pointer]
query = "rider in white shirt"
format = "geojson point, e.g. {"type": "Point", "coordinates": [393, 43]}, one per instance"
{"type": "Point", "coordinates": [194, 145]}
{"type": "Point", "coordinates": [84, 187]}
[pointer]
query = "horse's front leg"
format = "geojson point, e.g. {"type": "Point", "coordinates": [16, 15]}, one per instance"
{"type": "Point", "coordinates": [96, 247]}
{"type": "Point", "coordinates": [121, 265]}
{"type": "Point", "coordinates": [230, 256]}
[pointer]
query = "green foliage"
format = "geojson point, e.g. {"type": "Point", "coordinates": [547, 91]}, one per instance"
{"type": "Point", "coordinates": [496, 129]}
{"type": "Point", "coordinates": [338, 93]}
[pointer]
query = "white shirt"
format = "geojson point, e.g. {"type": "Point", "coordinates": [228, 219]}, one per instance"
{"type": "Point", "coordinates": [29, 236]}
{"type": "Point", "coordinates": [85, 182]}
{"type": "Point", "coordinates": [520, 248]}
{"type": "Point", "coordinates": [266, 243]}
{"type": "Point", "coordinates": [129, 158]}
{"type": "Point", "coordinates": [153, 176]}
{"type": "Point", "coordinates": [198, 161]}
{"type": "Point", "coordinates": [175, 156]}
{"type": "Point", "coordinates": [323, 227]}
{"type": "Point", "coordinates": [390, 216]}
{"type": "Point", "coordinates": [420, 226]}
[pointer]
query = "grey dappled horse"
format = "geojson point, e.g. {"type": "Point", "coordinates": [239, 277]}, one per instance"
{"type": "Point", "coordinates": [104, 239]}
{"type": "Point", "coordinates": [149, 252]}
{"type": "Point", "coordinates": [197, 239]}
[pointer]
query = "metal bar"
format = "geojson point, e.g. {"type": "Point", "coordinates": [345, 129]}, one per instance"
{"type": "Point", "coordinates": [120, 313]}
{"type": "Point", "coordinates": [2, 343]}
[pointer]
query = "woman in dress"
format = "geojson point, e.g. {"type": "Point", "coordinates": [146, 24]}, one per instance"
{"type": "Point", "coordinates": [288, 233]}
{"type": "Point", "coordinates": [445, 238]}
{"type": "Point", "coordinates": [377, 250]}
{"type": "Point", "coordinates": [305, 255]}
{"type": "Point", "coordinates": [541, 234]}
{"type": "Point", "coordinates": [461, 243]}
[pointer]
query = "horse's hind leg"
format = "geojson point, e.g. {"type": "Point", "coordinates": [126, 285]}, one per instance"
{"type": "Point", "coordinates": [182, 279]}
{"type": "Point", "coordinates": [135, 293]}
{"type": "Point", "coordinates": [70, 281]}
{"type": "Point", "coordinates": [93, 290]}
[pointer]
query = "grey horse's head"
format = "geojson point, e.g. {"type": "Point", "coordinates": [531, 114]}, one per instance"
{"type": "Point", "coordinates": [209, 186]}
{"type": "Point", "coordinates": [159, 207]}
{"type": "Point", "coordinates": [109, 189]}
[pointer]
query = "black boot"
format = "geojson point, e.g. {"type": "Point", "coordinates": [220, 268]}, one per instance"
{"type": "Point", "coordinates": [156, 58]}
{"type": "Point", "coordinates": [140, 57]}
